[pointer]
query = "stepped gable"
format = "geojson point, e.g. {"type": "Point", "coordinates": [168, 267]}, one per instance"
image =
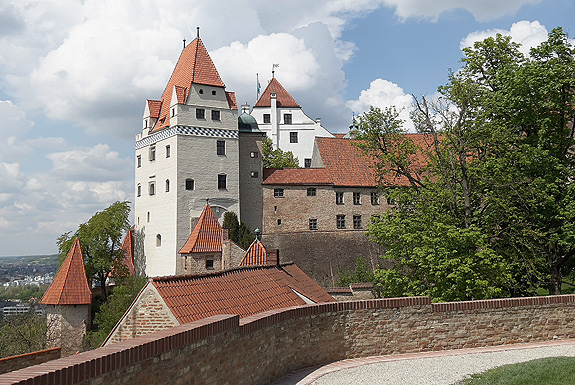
{"type": "Point", "coordinates": [284, 99]}
{"type": "Point", "coordinates": [243, 291]}
{"type": "Point", "coordinates": [256, 255]}
{"type": "Point", "coordinates": [70, 285]}
{"type": "Point", "coordinates": [194, 66]}
{"type": "Point", "coordinates": [207, 235]}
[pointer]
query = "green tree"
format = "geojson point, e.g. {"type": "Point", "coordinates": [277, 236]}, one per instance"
{"type": "Point", "coordinates": [485, 203]}
{"type": "Point", "coordinates": [22, 333]}
{"type": "Point", "coordinates": [240, 233]}
{"type": "Point", "coordinates": [363, 273]}
{"type": "Point", "coordinates": [113, 309]}
{"type": "Point", "coordinates": [277, 158]}
{"type": "Point", "coordinates": [101, 239]}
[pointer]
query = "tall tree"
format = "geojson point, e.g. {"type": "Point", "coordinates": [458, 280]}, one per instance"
{"type": "Point", "coordinates": [488, 209]}
{"type": "Point", "coordinates": [277, 158]}
{"type": "Point", "coordinates": [101, 239]}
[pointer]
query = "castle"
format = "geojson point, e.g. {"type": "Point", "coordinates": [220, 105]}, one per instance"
{"type": "Point", "coordinates": [194, 148]}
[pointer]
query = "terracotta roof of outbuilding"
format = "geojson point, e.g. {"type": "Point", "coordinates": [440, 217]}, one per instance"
{"type": "Point", "coordinates": [256, 255]}
{"type": "Point", "coordinates": [194, 66]}
{"type": "Point", "coordinates": [154, 106]}
{"type": "Point", "coordinates": [243, 291]}
{"type": "Point", "coordinates": [284, 99]}
{"type": "Point", "coordinates": [70, 285]}
{"type": "Point", "coordinates": [207, 235]}
{"type": "Point", "coordinates": [298, 176]}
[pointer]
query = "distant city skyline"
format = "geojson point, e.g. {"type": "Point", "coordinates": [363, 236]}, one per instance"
{"type": "Point", "coordinates": [75, 75]}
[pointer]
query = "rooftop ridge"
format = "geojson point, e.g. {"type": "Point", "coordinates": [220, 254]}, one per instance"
{"type": "Point", "coordinates": [166, 278]}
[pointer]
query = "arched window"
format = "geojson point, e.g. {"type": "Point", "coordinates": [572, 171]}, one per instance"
{"type": "Point", "coordinates": [167, 185]}
{"type": "Point", "coordinates": [158, 240]}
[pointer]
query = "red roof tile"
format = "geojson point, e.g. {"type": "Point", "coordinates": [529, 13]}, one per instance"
{"type": "Point", "coordinates": [231, 96]}
{"type": "Point", "coordinates": [243, 291]}
{"type": "Point", "coordinates": [256, 255]}
{"type": "Point", "coordinates": [207, 235]}
{"type": "Point", "coordinates": [194, 66]}
{"type": "Point", "coordinates": [298, 176]}
{"type": "Point", "coordinates": [70, 285]}
{"type": "Point", "coordinates": [284, 99]}
{"type": "Point", "coordinates": [128, 250]}
{"type": "Point", "coordinates": [154, 106]}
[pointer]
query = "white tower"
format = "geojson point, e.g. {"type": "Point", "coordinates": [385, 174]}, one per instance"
{"type": "Point", "coordinates": [186, 153]}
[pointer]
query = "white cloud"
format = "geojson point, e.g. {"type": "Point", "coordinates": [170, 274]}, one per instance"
{"type": "Point", "coordinates": [483, 10]}
{"type": "Point", "coordinates": [528, 34]}
{"type": "Point", "coordinates": [383, 93]}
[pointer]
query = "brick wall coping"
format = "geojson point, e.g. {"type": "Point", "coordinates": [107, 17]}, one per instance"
{"type": "Point", "coordinates": [77, 368]}
{"type": "Point", "coordinates": [2, 360]}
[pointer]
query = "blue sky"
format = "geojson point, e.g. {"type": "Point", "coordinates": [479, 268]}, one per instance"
{"type": "Point", "coordinates": [75, 74]}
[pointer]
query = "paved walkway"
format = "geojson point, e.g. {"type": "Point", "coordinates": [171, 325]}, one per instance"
{"type": "Point", "coordinates": [443, 367]}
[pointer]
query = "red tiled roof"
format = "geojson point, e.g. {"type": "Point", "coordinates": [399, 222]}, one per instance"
{"type": "Point", "coordinates": [70, 285]}
{"type": "Point", "coordinates": [207, 236]}
{"type": "Point", "coordinates": [298, 176]}
{"type": "Point", "coordinates": [231, 96]}
{"type": "Point", "coordinates": [284, 99]}
{"type": "Point", "coordinates": [154, 106]}
{"type": "Point", "coordinates": [128, 250]}
{"type": "Point", "coordinates": [256, 255]}
{"type": "Point", "coordinates": [180, 94]}
{"type": "Point", "coordinates": [194, 66]}
{"type": "Point", "coordinates": [243, 291]}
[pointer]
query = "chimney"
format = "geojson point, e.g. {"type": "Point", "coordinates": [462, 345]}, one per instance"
{"type": "Point", "coordinates": [273, 257]}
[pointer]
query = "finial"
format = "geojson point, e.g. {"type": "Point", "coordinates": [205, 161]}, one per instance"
{"type": "Point", "coordinates": [207, 201]}
{"type": "Point", "coordinates": [184, 43]}
{"type": "Point", "coordinates": [257, 232]}
{"type": "Point", "coordinates": [275, 65]}
{"type": "Point", "coordinates": [198, 32]}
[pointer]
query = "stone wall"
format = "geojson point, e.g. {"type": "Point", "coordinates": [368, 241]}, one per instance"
{"type": "Point", "coordinates": [9, 364]}
{"type": "Point", "coordinates": [278, 342]}
{"type": "Point", "coordinates": [67, 325]}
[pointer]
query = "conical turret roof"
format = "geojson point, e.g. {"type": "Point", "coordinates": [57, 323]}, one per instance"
{"type": "Point", "coordinates": [70, 285]}
{"type": "Point", "coordinates": [206, 236]}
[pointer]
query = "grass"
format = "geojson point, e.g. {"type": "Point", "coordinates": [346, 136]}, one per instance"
{"type": "Point", "coordinates": [544, 371]}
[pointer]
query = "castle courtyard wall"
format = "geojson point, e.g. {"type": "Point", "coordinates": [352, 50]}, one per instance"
{"type": "Point", "coordinates": [262, 348]}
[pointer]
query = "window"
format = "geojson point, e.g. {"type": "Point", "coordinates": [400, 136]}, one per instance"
{"type": "Point", "coordinates": [311, 191]}
{"type": "Point", "coordinates": [209, 263]}
{"type": "Point", "coordinates": [215, 115]}
{"type": "Point", "coordinates": [340, 221]}
{"type": "Point", "coordinates": [313, 224]}
{"type": "Point", "coordinates": [200, 113]}
{"type": "Point", "coordinates": [356, 198]}
{"type": "Point", "coordinates": [139, 160]}
{"type": "Point", "coordinates": [168, 151]}
{"type": "Point", "coordinates": [278, 192]}
{"type": "Point", "coordinates": [339, 198]}
{"type": "Point", "coordinates": [374, 198]}
{"type": "Point", "coordinates": [148, 216]}
{"type": "Point", "coordinates": [222, 181]}
{"type": "Point", "coordinates": [267, 118]}
{"type": "Point", "coordinates": [221, 147]}
{"type": "Point", "coordinates": [167, 185]}
{"type": "Point", "coordinates": [254, 154]}
{"type": "Point", "coordinates": [357, 222]}
{"type": "Point", "coordinates": [152, 188]}
{"type": "Point", "coordinates": [173, 112]}
{"type": "Point", "coordinates": [279, 222]}
{"type": "Point", "coordinates": [307, 162]}
{"type": "Point", "coordinates": [201, 91]}
{"type": "Point", "coordinates": [287, 118]}
{"type": "Point", "coordinates": [158, 240]}
{"type": "Point", "coordinates": [214, 93]}
{"type": "Point", "coordinates": [139, 190]}
{"type": "Point", "coordinates": [152, 154]}
{"type": "Point", "coordinates": [254, 174]}
{"type": "Point", "coordinates": [293, 137]}
{"type": "Point", "coordinates": [189, 184]}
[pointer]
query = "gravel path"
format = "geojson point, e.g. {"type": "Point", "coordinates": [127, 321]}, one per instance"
{"type": "Point", "coordinates": [444, 369]}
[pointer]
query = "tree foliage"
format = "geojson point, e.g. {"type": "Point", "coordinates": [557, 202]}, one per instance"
{"type": "Point", "coordinates": [363, 273]}
{"type": "Point", "coordinates": [100, 239]}
{"type": "Point", "coordinates": [240, 233]}
{"type": "Point", "coordinates": [486, 207]}
{"type": "Point", "coordinates": [22, 333]}
{"type": "Point", "coordinates": [277, 158]}
{"type": "Point", "coordinates": [113, 309]}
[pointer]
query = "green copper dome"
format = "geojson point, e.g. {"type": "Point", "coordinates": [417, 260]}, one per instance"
{"type": "Point", "coordinates": [247, 123]}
